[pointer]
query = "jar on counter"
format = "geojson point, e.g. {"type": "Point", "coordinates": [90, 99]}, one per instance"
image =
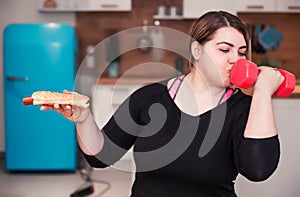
{"type": "Point", "coordinates": [113, 69]}
{"type": "Point", "coordinates": [50, 4]}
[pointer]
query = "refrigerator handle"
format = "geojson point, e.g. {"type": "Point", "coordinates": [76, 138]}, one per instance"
{"type": "Point", "coordinates": [13, 78]}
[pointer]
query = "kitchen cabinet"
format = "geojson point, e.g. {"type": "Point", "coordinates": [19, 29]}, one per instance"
{"type": "Point", "coordinates": [107, 99]}
{"type": "Point", "coordinates": [285, 6]}
{"type": "Point", "coordinates": [286, 179]}
{"type": "Point", "coordinates": [109, 93]}
{"type": "Point", "coordinates": [110, 5]}
{"type": "Point", "coordinates": [255, 5]}
{"type": "Point", "coordinates": [292, 6]}
{"type": "Point", "coordinates": [196, 8]}
{"type": "Point", "coordinates": [87, 5]}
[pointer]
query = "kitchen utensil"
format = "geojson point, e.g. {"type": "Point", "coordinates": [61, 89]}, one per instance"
{"type": "Point", "coordinates": [50, 4]}
{"type": "Point", "coordinates": [158, 40]}
{"type": "Point", "coordinates": [161, 11]}
{"type": "Point", "coordinates": [144, 43]}
{"type": "Point", "coordinates": [256, 29]}
{"type": "Point", "coordinates": [269, 37]}
{"type": "Point", "coordinates": [173, 11]}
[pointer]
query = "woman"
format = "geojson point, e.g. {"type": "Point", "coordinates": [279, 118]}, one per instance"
{"type": "Point", "coordinates": [206, 131]}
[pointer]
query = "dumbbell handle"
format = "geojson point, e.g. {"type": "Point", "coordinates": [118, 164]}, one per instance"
{"type": "Point", "coordinates": [288, 85]}
{"type": "Point", "coordinates": [244, 74]}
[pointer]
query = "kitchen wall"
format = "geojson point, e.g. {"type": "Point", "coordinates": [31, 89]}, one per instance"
{"type": "Point", "coordinates": [287, 55]}
{"type": "Point", "coordinates": [15, 11]}
{"type": "Point", "coordinates": [94, 27]}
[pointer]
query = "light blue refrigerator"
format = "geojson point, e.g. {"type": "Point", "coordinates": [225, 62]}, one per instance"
{"type": "Point", "coordinates": [38, 57]}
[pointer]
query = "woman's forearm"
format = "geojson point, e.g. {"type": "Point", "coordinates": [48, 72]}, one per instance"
{"type": "Point", "coordinates": [261, 121]}
{"type": "Point", "coordinates": [89, 138]}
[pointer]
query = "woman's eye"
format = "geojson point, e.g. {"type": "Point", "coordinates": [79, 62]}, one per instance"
{"type": "Point", "coordinates": [224, 50]}
{"type": "Point", "coordinates": [242, 54]}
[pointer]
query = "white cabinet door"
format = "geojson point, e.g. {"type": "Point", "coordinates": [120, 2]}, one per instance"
{"type": "Point", "coordinates": [87, 5]}
{"type": "Point", "coordinates": [196, 8]}
{"type": "Point", "coordinates": [255, 5]}
{"type": "Point", "coordinates": [286, 179]}
{"type": "Point", "coordinates": [110, 5]}
{"type": "Point", "coordinates": [288, 6]}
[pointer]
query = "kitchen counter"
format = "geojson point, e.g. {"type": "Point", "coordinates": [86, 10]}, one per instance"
{"type": "Point", "coordinates": [133, 80]}
{"type": "Point", "coordinates": [138, 80]}
{"type": "Point", "coordinates": [296, 92]}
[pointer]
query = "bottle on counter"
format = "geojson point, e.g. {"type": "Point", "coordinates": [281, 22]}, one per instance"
{"type": "Point", "coordinates": [158, 39]}
{"type": "Point", "coordinates": [90, 56]}
{"type": "Point", "coordinates": [113, 69]}
{"type": "Point", "coordinates": [179, 66]}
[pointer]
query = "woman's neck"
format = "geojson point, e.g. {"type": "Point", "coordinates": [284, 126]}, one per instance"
{"type": "Point", "coordinates": [205, 93]}
{"type": "Point", "coordinates": [202, 85]}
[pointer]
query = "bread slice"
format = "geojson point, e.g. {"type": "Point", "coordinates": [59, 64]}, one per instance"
{"type": "Point", "coordinates": [50, 98]}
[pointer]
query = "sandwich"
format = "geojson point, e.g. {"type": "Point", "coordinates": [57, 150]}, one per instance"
{"type": "Point", "coordinates": [50, 98]}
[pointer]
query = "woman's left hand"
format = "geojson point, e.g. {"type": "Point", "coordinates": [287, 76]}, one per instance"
{"type": "Point", "coordinates": [268, 80]}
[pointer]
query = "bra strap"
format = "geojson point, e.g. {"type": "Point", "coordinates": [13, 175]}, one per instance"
{"type": "Point", "coordinates": [228, 93]}
{"type": "Point", "coordinates": [175, 86]}
{"type": "Point", "coordinates": [178, 81]}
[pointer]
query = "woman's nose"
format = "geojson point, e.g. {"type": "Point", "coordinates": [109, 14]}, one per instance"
{"type": "Point", "coordinates": [233, 58]}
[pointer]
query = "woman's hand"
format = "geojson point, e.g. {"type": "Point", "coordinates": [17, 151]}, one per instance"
{"type": "Point", "coordinates": [73, 114]}
{"type": "Point", "coordinates": [268, 80]}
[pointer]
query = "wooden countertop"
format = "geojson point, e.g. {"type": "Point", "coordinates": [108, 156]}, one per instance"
{"type": "Point", "coordinates": [129, 80]}
{"type": "Point", "coordinates": [138, 80]}
{"type": "Point", "coordinates": [296, 92]}
{"type": "Point", "coordinates": [297, 89]}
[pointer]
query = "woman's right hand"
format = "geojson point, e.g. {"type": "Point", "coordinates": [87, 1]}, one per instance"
{"type": "Point", "coordinates": [71, 113]}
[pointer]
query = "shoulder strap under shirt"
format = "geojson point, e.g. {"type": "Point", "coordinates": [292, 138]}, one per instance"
{"type": "Point", "coordinates": [178, 81]}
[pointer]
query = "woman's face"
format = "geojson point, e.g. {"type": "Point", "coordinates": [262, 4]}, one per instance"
{"type": "Point", "coordinates": [216, 57]}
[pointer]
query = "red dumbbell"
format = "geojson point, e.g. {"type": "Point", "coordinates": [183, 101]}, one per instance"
{"type": "Point", "coordinates": [244, 74]}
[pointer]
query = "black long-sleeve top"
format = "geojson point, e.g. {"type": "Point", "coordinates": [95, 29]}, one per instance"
{"type": "Point", "coordinates": [177, 154]}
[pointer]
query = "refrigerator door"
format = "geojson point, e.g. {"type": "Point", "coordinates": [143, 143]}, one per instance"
{"type": "Point", "coordinates": [38, 57]}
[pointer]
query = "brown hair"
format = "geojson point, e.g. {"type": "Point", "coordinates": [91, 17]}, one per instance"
{"type": "Point", "coordinates": [204, 28]}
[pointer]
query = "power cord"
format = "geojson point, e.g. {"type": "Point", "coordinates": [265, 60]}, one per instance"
{"type": "Point", "coordinates": [86, 175]}
{"type": "Point", "coordinates": [87, 187]}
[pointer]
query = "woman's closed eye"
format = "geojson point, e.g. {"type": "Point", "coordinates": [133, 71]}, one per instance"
{"type": "Point", "coordinates": [224, 50]}
{"type": "Point", "coordinates": [242, 54]}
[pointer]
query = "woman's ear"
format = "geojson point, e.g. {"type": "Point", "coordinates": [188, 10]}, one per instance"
{"type": "Point", "coordinates": [195, 50]}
